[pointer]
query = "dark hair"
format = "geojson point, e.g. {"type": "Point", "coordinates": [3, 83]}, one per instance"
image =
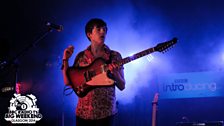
{"type": "Point", "coordinates": [94, 22]}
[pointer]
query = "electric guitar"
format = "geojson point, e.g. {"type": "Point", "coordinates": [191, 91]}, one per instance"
{"type": "Point", "coordinates": [84, 79]}
{"type": "Point", "coordinates": [154, 108]}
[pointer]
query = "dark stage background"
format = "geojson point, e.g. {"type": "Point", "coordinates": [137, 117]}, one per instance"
{"type": "Point", "coordinates": [134, 25]}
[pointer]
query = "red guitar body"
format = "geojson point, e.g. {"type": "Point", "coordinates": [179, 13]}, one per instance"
{"type": "Point", "coordinates": [84, 79]}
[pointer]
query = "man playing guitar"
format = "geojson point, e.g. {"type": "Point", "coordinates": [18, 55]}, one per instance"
{"type": "Point", "coordinates": [98, 106]}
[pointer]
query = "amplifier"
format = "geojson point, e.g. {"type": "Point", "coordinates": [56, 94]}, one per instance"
{"type": "Point", "coordinates": [215, 123]}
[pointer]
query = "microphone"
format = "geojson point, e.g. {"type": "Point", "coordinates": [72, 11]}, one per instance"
{"type": "Point", "coordinates": [59, 28]}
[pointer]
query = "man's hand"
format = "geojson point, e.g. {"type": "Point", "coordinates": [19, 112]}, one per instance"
{"type": "Point", "coordinates": [68, 52]}
{"type": "Point", "coordinates": [118, 75]}
{"type": "Point", "coordinates": [113, 67]}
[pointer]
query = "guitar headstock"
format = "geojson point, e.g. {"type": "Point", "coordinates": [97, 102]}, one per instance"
{"type": "Point", "coordinates": [162, 47]}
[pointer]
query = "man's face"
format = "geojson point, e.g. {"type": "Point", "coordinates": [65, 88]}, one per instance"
{"type": "Point", "coordinates": [98, 35]}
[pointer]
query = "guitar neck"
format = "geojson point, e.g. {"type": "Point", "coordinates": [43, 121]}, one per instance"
{"type": "Point", "coordinates": [136, 56]}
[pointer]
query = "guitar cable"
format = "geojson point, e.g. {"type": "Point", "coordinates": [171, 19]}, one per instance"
{"type": "Point", "coordinates": [66, 88]}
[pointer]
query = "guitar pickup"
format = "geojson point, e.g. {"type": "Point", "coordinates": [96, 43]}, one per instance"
{"type": "Point", "coordinates": [104, 68]}
{"type": "Point", "coordinates": [89, 74]}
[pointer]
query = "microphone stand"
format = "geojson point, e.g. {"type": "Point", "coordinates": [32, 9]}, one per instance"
{"type": "Point", "coordinates": [8, 64]}
{"type": "Point", "coordinates": [5, 64]}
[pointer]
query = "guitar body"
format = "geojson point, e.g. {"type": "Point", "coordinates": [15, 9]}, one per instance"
{"type": "Point", "coordinates": [84, 79]}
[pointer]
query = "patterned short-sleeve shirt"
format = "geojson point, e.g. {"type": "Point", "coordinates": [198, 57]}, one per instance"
{"type": "Point", "coordinates": [99, 102]}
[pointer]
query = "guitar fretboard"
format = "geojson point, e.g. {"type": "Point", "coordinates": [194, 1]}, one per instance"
{"type": "Point", "coordinates": [136, 56]}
